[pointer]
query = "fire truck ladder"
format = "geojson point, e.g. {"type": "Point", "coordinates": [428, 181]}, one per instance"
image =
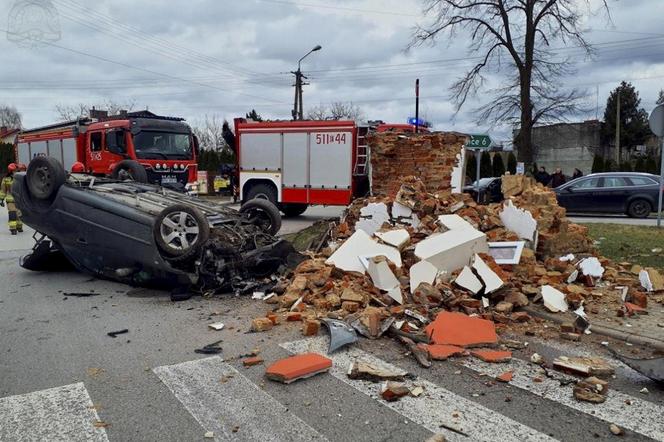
{"type": "Point", "coordinates": [362, 152]}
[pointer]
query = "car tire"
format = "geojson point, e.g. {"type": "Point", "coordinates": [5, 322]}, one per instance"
{"type": "Point", "coordinates": [180, 231]}
{"type": "Point", "coordinates": [262, 191]}
{"type": "Point", "coordinates": [44, 177]}
{"type": "Point", "coordinates": [639, 208]}
{"type": "Point", "coordinates": [129, 170]}
{"type": "Point", "coordinates": [262, 213]}
{"type": "Point", "coordinates": [293, 209]}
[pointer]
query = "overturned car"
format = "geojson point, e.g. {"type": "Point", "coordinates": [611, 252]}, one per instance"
{"type": "Point", "coordinates": [142, 234]}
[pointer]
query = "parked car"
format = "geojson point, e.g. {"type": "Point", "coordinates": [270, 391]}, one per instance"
{"type": "Point", "coordinates": [144, 234]}
{"type": "Point", "coordinates": [633, 193]}
{"type": "Point", "coordinates": [490, 190]}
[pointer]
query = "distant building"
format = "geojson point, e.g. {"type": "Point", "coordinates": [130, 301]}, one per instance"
{"type": "Point", "coordinates": [568, 145]}
{"type": "Point", "coordinates": [8, 135]}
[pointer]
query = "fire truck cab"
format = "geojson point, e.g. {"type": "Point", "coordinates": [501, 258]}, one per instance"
{"type": "Point", "coordinates": [295, 164]}
{"type": "Point", "coordinates": [165, 147]}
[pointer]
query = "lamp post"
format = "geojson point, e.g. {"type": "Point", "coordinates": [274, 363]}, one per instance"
{"type": "Point", "coordinates": [297, 104]}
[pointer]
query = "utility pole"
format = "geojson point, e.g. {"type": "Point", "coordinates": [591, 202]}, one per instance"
{"type": "Point", "coordinates": [417, 105]}
{"type": "Point", "coordinates": [618, 129]}
{"type": "Point", "coordinates": [299, 76]}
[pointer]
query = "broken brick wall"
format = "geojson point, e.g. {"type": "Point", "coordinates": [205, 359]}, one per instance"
{"type": "Point", "coordinates": [430, 157]}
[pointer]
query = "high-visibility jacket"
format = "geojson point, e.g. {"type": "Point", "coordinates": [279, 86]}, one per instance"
{"type": "Point", "coordinates": [6, 189]}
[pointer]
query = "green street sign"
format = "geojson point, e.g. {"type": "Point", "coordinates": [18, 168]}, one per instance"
{"type": "Point", "coordinates": [479, 142]}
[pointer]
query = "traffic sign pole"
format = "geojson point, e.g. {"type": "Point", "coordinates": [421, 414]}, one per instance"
{"type": "Point", "coordinates": [656, 121]}
{"type": "Point", "coordinates": [477, 182]}
{"type": "Point", "coordinates": [661, 182]}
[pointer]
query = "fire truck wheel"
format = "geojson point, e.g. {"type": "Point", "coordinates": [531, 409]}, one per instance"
{"type": "Point", "coordinates": [262, 191]}
{"type": "Point", "coordinates": [129, 170]}
{"type": "Point", "coordinates": [262, 213]}
{"type": "Point", "coordinates": [180, 231]}
{"type": "Point", "coordinates": [44, 177]}
{"type": "Point", "coordinates": [293, 210]}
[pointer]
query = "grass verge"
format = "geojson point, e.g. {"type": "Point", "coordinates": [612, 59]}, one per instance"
{"type": "Point", "coordinates": [643, 245]}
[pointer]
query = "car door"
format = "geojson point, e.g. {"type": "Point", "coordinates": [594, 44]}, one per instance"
{"type": "Point", "coordinates": [612, 195]}
{"type": "Point", "coordinates": [578, 197]}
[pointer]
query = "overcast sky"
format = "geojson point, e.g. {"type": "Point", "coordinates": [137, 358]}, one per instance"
{"type": "Point", "coordinates": [226, 57]}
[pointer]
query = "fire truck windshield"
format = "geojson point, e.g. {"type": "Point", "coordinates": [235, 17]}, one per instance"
{"type": "Point", "coordinates": [152, 145]}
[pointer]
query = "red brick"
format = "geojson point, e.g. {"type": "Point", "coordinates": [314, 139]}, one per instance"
{"type": "Point", "coordinates": [441, 352]}
{"type": "Point", "coordinates": [506, 377]}
{"type": "Point", "coordinates": [310, 327]}
{"type": "Point", "coordinates": [249, 362]}
{"type": "Point", "coordinates": [462, 330]}
{"type": "Point", "coordinates": [492, 355]}
{"type": "Point", "coordinates": [293, 316]}
{"type": "Point", "coordinates": [298, 367]}
{"type": "Point", "coordinates": [261, 324]}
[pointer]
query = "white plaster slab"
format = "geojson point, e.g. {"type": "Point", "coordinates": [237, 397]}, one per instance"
{"type": "Point", "coordinates": [347, 256]}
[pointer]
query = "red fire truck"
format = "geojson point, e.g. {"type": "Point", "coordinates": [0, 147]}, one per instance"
{"type": "Point", "coordinates": [165, 147]}
{"type": "Point", "coordinates": [295, 164]}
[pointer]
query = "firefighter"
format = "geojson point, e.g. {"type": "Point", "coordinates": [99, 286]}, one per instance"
{"type": "Point", "coordinates": [15, 224]}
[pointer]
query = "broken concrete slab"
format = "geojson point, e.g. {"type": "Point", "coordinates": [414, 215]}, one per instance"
{"type": "Point", "coordinates": [491, 280]}
{"type": "Point", "coordinates": [519, 221]}
{"type": "Point", "coordinates": [298, 367]}
{"type": "Point", "coordinates": [402, 214]}
{"type": "Point", "coordinates": [644, 279]}
{"type": "Point", "coordinates": [583, 366]}
{"type": "Point", "coordinates": [459, 329]}
{"type": "Point", "coordinates": [347, 256]}
{"type": "Point", "coordinates": [422, 271]}
{"type": "Point", "coordinates": [451, 222]}
{"type": "Point", "coordinates": [367, 372]}
{"type": "Point", "coordinates": [216, 326]}
{"type": "Point", "coordinates": [398, 238]}
{"type": "Point", "coordinates": [591, 267]}
{"type": "Point", "coordinates": [396, 294]}
{"type": "Point", "coordinates": [453, 249]}
{"type": "Point", "coordinates": [506, 252]}
{"type": "Point", "coordinates": [372, 217]}
{"type": "Point", "coordinates": [469, 281]}
{"type": "Point", "coordinates": [554, 299]}
{"type": "Point", "coordinates": [381, 274]}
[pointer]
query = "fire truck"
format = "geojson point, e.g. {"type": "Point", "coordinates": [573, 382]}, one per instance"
{"type": "Point", "coordinates": [295, 164]}
{"type": "Point", "coordinates": [141, 145]}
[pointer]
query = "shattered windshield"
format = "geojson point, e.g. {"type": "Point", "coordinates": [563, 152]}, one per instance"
{"type": "Point", "coordinates": [162, 145]}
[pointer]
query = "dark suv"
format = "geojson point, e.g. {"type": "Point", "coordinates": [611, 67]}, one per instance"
{"type": "Point", "coordinates": [633, 193]}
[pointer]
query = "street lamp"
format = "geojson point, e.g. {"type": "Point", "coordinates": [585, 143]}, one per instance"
{"type": "Point", "coordinates": [297, 105]}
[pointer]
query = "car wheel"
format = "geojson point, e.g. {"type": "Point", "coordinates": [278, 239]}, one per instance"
{"type": "Point", "coordinates": [639, 209]}
{"type": "Point", "coordinates": [44, 177]}
{"type": "Point", "coordinates": [263, 192]}
{"type": "Point", "coordinates": [293, 209]}
{"type": "Point", "coordinates": [129, 170]}
{"type": "Point", "coordinates": [263, 214]}
{"type": "Point", "coordinates": [180, 231]}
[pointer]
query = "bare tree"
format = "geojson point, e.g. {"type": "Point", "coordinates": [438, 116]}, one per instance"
{"type": "Point", "coordinates": [73, 112]}
{"type": "Point", "coordinates": [210, 133]}
{"type": "Point", "coordinates": [514, 37]}
{"type": "Point", "coordinates": [337, 110]}
{"type": "Point", "coordinates": [10, 117]}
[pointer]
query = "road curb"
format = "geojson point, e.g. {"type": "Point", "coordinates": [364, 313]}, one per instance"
{"type": "Point", "coordinates": [632, 338]}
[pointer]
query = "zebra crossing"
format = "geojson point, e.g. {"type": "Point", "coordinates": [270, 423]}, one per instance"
{"type": "Point", "coordinates": [223, 399]}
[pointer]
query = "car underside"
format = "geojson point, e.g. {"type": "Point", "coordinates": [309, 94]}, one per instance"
{"type": "Point", "coordinates": [143, 234]}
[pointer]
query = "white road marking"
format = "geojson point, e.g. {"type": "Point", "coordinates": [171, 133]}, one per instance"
{"type": "Point", "coordinates": [219, 407]}
{"type": "Point", "coordinates": [58, 414]}
{"type": "Point", "coordinates": [436, 407]}
{"type": "Point", "coordinates": [641, 416]}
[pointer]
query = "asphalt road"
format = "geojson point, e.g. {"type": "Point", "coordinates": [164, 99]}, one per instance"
{"type": "Point", "coordinates": [63, 378]}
